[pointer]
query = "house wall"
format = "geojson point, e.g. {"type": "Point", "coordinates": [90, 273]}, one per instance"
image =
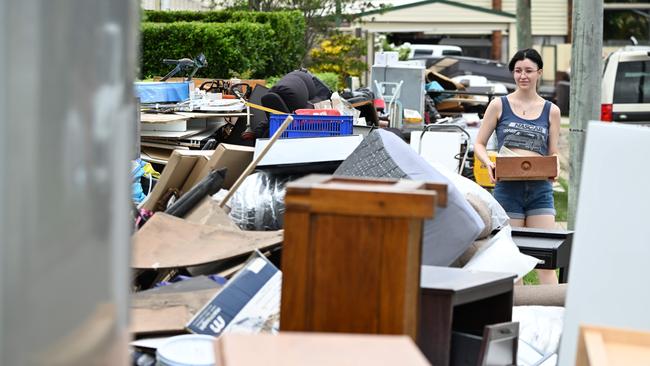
{"type": "Point", "coordinates": [172, 5]}
{"type": "Point", "coordinates": [549, 17]}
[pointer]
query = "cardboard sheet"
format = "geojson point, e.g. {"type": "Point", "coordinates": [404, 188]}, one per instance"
{"type": "Point", "coordinates": [178, 168]}
{"type": "Point", "coordinates": [234, 157]}
{"type": "Point", "coordinates": [163, 320]}
{"type": "Point", "coordinates": [209, 213]}
{"type": "Point", "coordinates": [169, 242]}
{"type": "Point", "coordinates": [167, 309]}
{"type": "Point", "coordinates": [172, 134]}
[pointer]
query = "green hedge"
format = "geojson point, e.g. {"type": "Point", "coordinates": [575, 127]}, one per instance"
{"type": "Point", "coordinates": [284, 49]}
{"type": "Point", "coordinates": [228, 47]}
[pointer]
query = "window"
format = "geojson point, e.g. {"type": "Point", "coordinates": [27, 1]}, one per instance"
{"type": "Point", "coordinates": [632, 83]}
{"type": "Point", "coordinates": [452, 52]}
{"type": "Point", "coordinates": [422, 53]}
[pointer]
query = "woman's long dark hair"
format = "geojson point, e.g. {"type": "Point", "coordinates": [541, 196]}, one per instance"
{"type": "Point", "coordinates": [528, 53]}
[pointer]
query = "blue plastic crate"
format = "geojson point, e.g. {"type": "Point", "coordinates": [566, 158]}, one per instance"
{"type": "Point", "coordinates": [312, 126]}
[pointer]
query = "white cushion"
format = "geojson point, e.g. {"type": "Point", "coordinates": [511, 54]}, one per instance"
{"type": "Point", "coordinates": [501, 254]}
{"type": "Point", "coordinates": [465, 186]}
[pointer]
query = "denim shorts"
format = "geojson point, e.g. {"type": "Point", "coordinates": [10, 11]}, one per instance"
{"type": "Point", "coordinates": [524, 198]}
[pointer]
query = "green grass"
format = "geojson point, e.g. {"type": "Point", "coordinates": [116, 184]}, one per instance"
{"type": "Point", "coordinates": [561, 205]}
{"type": "Point", "coordinates": [561, 201]}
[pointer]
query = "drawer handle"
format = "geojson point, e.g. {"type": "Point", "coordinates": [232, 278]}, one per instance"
{"type": "Point", "coordinates": [525, 165]}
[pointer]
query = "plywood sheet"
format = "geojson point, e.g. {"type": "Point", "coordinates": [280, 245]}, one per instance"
{"type": "Point", "coordinates": [169, 242]}
{"type": "Point", "coordinates": [317, 349]}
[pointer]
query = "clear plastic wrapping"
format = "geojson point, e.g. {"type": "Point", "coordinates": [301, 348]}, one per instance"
{"type": "Point", "coordinates": [258, 204]}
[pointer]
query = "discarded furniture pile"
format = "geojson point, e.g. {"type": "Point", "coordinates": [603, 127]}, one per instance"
{"type": "Point", "coordinates": [317, 245]}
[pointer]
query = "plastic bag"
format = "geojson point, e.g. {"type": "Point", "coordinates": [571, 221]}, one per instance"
{"type": "Point", "coordinates": [137, 171]}
{"type": "Point", "coordinates": [258, 204]}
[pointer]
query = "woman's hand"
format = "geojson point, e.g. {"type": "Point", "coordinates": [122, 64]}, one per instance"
{"type": "Point", "coordinates": [491, 167]}
{"type": "Point", "coordinates": [557, 172]}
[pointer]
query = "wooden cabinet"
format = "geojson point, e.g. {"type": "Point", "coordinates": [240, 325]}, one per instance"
{"type": "Point", "coordinates": [454, 299]}
{"type": "Point", "coordinates": [351, 254]}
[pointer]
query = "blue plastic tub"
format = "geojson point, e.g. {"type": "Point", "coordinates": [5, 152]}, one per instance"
{"type": "Point", "coordinates": [312, 126]}
{"type": "Point", "coordinates": [162, 92]}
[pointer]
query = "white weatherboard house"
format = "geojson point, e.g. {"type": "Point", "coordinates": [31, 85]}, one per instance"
{"type": "Point", "coordinates": [550, 20]}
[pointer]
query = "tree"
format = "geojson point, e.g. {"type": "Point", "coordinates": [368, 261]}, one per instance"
{"type": "Point", "coordinates": [623, 24]}
{"type": "Point", "coordinates": [340, 54]}
{"type": "Point", "coordinates": [320, 15]}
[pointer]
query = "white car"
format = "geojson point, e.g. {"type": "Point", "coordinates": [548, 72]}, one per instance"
{"type": "Point", "coordinates": [433, 50]}
{"type": "Point", "coordinates": [626, 86]}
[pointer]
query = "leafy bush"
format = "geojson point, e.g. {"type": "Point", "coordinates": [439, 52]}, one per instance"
{"type": "Point", "coordinates": [339, 54]}
{"type": "Point", "coordinates": [228, 47]}
{"type": "Point", "coordinates": [330, 79]}
{"type": "Point", "coordinates": [287, 50]}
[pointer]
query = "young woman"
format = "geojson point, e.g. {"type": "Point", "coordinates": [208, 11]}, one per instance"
{"type": "Point", "coordinates": [528, 125]}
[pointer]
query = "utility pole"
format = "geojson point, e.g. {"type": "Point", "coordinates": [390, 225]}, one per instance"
{"type": "Point", "coordinates": [586, 64]}
{"type": "Point", "coordinates": [524, 34]}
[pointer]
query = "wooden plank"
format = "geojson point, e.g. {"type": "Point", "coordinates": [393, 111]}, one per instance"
{"type": "Point", "coordinates": [169, 242]}
{"type": "Point", "coordinates": [161, 117]}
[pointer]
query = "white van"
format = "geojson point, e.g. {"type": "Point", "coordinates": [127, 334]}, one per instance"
{"type": "Point", "coordinates": [433, 50]}
{"type": "Point", "coordinates": [626, 86]}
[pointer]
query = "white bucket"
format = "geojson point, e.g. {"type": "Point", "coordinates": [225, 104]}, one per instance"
{"type": "Point", "coordinates": [187, 350]}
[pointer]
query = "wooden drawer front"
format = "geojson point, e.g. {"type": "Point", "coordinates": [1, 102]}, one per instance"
{"type": "Point", "coordinates": [526, 168]}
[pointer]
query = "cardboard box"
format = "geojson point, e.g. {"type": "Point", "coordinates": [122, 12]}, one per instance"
{"type": "Point", "coordinates": [174, 175]}
{"type": "Point", "coordinates": [234, 157]}
{"type": "Point", "coordinates": [526, 167]}
{"type": "Point", "coordinates": [317, 349]}
{"type": "Point", "coordinates": [249, 302]}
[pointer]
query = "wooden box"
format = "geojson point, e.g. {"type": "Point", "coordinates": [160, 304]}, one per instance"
{"type": "Point", "coordinates": [605, 346]}
{"type": "Point", "coordinates": [351, 254]}
{"type": "Point", "coordinates": [316, 349]}
{"type": "Point", "coordinates": [526, 167]}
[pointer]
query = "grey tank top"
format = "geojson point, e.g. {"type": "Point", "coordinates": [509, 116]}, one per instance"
{"type": "Point", "coordinates": [528, 134]}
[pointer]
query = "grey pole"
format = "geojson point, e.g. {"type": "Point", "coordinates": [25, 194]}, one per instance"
{"type": "Point", "coordinates": [524, 33]}
{"type": "Point", "coordinates": [586, 70]}
{"type": "Point", "coordinates": [66, 138]}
